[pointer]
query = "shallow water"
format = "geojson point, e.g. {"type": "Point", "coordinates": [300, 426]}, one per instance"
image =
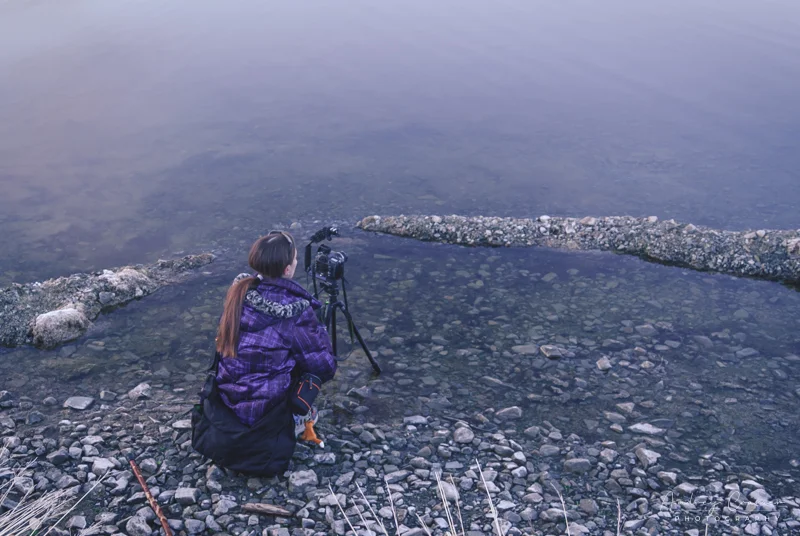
{"type": "Point", "coordinates": [149, 129]}
{"type": "Point", "coordinates": [444, 320]}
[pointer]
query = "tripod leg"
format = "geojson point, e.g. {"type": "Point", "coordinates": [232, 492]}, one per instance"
{"type": "Point", "coordinates": [329, 316]}
{"type": "Point", "coordinates": [376, 367]}
{"type": "Point", "coordinates": [333, 328]}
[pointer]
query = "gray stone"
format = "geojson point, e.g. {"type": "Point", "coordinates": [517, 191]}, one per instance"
{"type": "Point", "coordinates": [614, 417]}
{"type": "Point", "coordinates": [325, 458]}
{"type": "Point", "coordinates": [686, 489]}
{"type": "Point", "coordinates": [646, 330]}
{"type": "Point", "coordinates": [137, 526]}
{"type": "Point", "coordinates": [668, 478]}
{"type": "Point", "coordinates": [345, 479]}
{"type": "Point", "coordinates": [525, 349]}
{"type": "Point", "coordinates": [577, 465]}
{"type": "Point", "coordinates": [589, 506]}
{"type": "Point", "coordinates": [185, 424]}
{"type": "Point", "coordinates": [79, 402]}
{"type": "Point", "coordinates": [143, 390]}
{"type": "Point", "coordinates": [187, 496]}
{"type": "Point", "coordinates": [149, 466]}
{"type": "Point", "coordinates": [300, 481]}
{"type": "Point", "coordinates": [224, 506]}
{"type": "Point", "coordinates": [608, 455]}
{"type": "Point", "coordinates": [397, 476]}
{"type": "Point", "coordinates": [549, 450]}
{"type": "Point", "coordinates": [463, 435]}
{"type": "Point", "coordinates": [102, 465]}
{"type": "Point", "coordinates": [76, 522]}
{"type": "Point", "coordinates": [57, 327]}
{"type": "Point", "coordinates": [58, 457]}
{"type": "Point", "coordinates": [366, 437]}
{"type": "Point", "coordinates": [34, 417]}
{"type": "Point", "coordinates": [450, 491]}
{"type": "Point", "coordinates": [507, 414]}
{"type": "Point", "coordinates": [633, 524]}
{"type": "Point", "coordinates": [552, 352]}
{"type": "Point", "coordinates": [416, 420]}
{"type": "Point", "coordinates": [194, 526]}
{"type": "Point", "coordinates": [647, 457]}
{"type": "Point", "coordinates": [646, 428]}
{"type": "Point", "coordinates": [746, 352]}
{"type": "Point", "coordinates": [604, 363]}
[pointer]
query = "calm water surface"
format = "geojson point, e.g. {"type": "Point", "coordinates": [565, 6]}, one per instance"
{"type": "Point", "coordinates": [131, 129]}
{"type": "Point", "coordinates": [134, 130]}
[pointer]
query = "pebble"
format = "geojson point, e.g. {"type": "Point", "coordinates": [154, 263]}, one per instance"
{"type": "Point", "coordinates": [79, 402]}
{"type": "Point", "coordinates": [300, 481]}
{"type": "Point", "coordinates": [187, 496]}
{"type": "Point", "coordinates": [646, 428]}
{"type": "Point", "coordinates": [604, 363]}
{"type": "Point", "coordinates": [512, 413]}
{"type": "Point", "coordinates": [137, 526]}
{"type": "Point", "coordinates": [577, 465]}
{"type": "Point", "coordinates": [463, 435]}
{"type": "Point", "coordinates": [143, 390]}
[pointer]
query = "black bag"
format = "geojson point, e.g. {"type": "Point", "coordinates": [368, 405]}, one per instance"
{"type": "Point", "coordinates": [304, 394]}
{"type": "Point", "coordinates": [263, 449]}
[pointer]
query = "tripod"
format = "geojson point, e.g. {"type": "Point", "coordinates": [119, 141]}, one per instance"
{"type": "Point", "coordinates": [332, 304]}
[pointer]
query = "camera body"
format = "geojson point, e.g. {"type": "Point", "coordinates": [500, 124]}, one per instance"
{"type": "Point", "coordinates": [329, 264]}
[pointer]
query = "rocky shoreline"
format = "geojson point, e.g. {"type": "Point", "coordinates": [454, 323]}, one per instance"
{"type": "Point", "coordinates": [767, 254]}
{"type": "Point", "coordinates": [52, 312]}
{"type": "Point", "coordinates": [524, 472]}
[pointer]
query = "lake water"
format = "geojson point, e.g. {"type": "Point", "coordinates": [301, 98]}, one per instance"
{"type": "Point", "coordinates": [134, 130]}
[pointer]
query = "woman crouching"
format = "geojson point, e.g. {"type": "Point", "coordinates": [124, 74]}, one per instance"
{"type": "Point", "coordinates": [269, 337]}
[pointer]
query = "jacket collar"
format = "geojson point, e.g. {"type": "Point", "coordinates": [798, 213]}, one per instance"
{"type": "Point", "coordinates": [289, 285]}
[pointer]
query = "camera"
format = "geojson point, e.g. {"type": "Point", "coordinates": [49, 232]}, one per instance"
{"type": "Point", "coordinates": [328, 264]}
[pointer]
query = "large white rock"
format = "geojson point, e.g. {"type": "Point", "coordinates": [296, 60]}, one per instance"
{"type": "Point", "coordinates": [56, 327]}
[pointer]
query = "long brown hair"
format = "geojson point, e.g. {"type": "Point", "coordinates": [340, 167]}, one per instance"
{"type": "Point", "coordinates": [269, 256]}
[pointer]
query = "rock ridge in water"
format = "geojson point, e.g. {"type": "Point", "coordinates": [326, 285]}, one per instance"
{"type": "Point", "coordinates": [765, 254]}
{"type": "Point", "coordinates": [55, 311]}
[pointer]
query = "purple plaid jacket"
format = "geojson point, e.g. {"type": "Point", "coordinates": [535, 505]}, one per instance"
{"type": "Point", "coordinates": [280, 339]}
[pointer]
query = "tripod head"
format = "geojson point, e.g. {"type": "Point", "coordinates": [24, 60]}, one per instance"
{"type": "Point", "coordinates": [326, 233]}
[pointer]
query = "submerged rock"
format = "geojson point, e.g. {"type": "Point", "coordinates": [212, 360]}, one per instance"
{"type": "Point", "coordinates": [56, 311]}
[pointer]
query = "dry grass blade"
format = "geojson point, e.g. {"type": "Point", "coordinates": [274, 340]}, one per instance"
{"type": "Point", "coordinates": [361, 515]}
{"type": "Point", "coordinates": [422, 524]}
{"type": "Point", "coordinates": [491, 502]}
{"type": "Point", "coordinates": [335, 498]}
{"type": "Point", "coordinates": [391, 505]}
{"type": "Point", "coordinates": [458, 507]}
{"type": "Point", "coordinates": [374, 515]}
{"type": "Point", "coordinates": [563, 508]}
{"type": "Point", "coordinates": [619, 516]}
{"type": "Point", "coordinates": [445, 504]}
{"type": "Point", "coordinates": [99, 481]}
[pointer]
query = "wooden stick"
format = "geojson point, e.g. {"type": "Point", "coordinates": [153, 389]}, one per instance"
{"type": "Point", "coordinates": [150, 498]}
